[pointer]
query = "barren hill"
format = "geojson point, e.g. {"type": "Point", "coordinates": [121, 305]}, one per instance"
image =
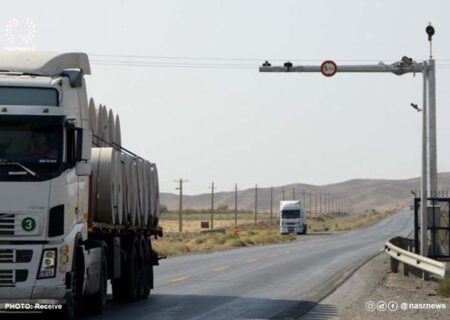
{"type": "Point", "coordinates": [361, 194]}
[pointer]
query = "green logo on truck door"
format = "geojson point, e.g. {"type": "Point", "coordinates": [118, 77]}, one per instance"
{"type": "Point", "coordinates": [28, 224]}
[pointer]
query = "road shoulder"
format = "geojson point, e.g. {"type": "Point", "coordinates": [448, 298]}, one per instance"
{"type": "Point", "coordinates": [374, 282]}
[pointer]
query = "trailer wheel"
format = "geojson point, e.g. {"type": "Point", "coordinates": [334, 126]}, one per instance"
{"type": "Point", "coordinates": [148, 268]}
{"type": "Point", "coordinates": [125, 288]}
{"type": "Point", "coordinates": [142, 277]}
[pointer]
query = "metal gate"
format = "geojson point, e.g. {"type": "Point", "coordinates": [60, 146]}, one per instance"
{"type": "Point", "coordinates": [438, 223]}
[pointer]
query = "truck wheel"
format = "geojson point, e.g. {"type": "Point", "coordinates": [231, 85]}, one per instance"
{"type": "Point", "coordinates": [125, 288]}
{"type": "Point", "coordinates": [97, 302]}
{"type": "Point", "coordinates": [73, 297]}
{"type": "Point", "coordinates": [142, 277]}
{"type": "Point", "coordinates": [305, 228]}
{"type": "Point", "coordinates": [148, 268]}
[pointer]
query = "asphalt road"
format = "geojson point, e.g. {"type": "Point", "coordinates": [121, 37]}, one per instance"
{"type": "Point", "coordinates": [269, 282]}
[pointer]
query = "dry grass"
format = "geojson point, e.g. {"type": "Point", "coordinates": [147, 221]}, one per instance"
{"type": "Point", "coordinates": [345, 222]}
{"type": "Point", "coordinates": [226, 236]}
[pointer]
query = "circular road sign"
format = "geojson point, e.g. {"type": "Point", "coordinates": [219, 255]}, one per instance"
{"type": "Point", "coordinates": [328, 68]}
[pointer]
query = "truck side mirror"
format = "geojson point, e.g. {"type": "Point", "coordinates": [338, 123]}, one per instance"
{"type": "Point", "coordinates": [83, 151]}
{"type": "Point", "coordinates": [85, 141]}
{"type": "Point", "coordinates": [79, 145]}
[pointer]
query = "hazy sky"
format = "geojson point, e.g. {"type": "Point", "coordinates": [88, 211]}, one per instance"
{"type": "Point", "coordinates": [220, 119]}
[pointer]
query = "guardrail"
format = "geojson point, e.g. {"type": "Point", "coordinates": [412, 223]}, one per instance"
{"type": "Point", "coordinates": [408, 258]}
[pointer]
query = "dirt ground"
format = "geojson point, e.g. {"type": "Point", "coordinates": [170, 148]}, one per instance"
{"type": "Point", "coordinates": [374, 292]}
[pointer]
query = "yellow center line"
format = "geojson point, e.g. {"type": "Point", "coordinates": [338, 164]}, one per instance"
{"type": "Point", "coordinates": [218, 269]}
{"type": "Point", "coordinates": [179, 279]}
{"type": "Point", "coordinates": [251, 260]}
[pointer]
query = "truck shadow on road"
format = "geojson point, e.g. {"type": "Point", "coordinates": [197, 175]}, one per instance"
{"type": "Point", "coordinates": [169, 306]}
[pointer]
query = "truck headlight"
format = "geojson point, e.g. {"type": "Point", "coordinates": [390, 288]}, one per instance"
{"type": "Point", "coordinates": [47, 268]}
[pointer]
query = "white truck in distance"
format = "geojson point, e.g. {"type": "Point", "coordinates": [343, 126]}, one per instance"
{"type": "Point", "coordinates": [292, 217]}
{"type": "Point", "coordinates": [76, 208]}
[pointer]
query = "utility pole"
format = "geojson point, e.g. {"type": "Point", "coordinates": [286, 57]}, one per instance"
{"type": "Point", "coordinates": [310, 202]}
{"type": "Point", "coordinates": [212, 204]}
{"type": "Point", "coordinates": [315, 206]}
{"type": "Point", "coordinates": [256, 203]}
{"type": "Point", "coordinates": [235, 204]}
{"type": "Point", "coordinates": [282, 189]}
{"type": "Point", "coordinates": [320, 203]}
{"type": "Point", "coordinates": [293, 193]}
{"type": "Point", "coordinates": [180, 204]}
{"type": "Point", "coordinates": [271, 203]}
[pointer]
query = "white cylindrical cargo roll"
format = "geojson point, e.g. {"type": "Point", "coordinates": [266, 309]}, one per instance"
{"type": "Point", "coordinates": [129, 189]}
{"type": "Point", "coordinates": [119, 189]}
{"type": "Point", "coordinates": [117, 133]}
{"type": "Point", "coordinates": [93, 120]}
{"type": "Point", "coordinates": [134, 182]}
{"type": "Point", "coordinates": [155, 181]}
{"type": "Point", "coordinates": [150, 192]}
{"type": "Point", "coordinates": [143, 194]}
{"type": "Point", "coordinates": [95, 162]}
{"type": "Point", "coordinates": [105, 129]}
{"type": "Point", "coordinates": [100, 125]}
{"type": "Point", "coordinates": [111, 127]}
{"type": "Point", "coordinates": [107, 185]}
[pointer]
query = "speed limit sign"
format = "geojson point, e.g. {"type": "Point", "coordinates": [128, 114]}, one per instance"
{"type": "Point", "coordinates": [328, 68]}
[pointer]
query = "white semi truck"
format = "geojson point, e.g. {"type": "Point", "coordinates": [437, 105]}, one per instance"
{"type": "Point", "coordinates": [292, 217]}
{"type": "Point", "coordinates": [76, 208]}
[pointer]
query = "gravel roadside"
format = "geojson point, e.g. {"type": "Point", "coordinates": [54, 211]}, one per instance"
{"type": "Point", "coordinates": [374, 287]}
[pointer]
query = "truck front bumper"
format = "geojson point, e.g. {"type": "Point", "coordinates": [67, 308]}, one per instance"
{"type": "Point", "coordinates": [286, 229]}
{"type": "Point", "coordinates": [19, 278]}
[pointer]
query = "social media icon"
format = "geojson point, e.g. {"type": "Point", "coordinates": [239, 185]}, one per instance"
{"type": "Point", "coordinates": [370, 306]}
{"type": "Point", "coordinates": [392, 306]}
{"type": "Point", "coordinates": [381, 306]}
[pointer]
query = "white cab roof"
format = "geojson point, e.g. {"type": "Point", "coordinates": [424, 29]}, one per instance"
{"type": "Point", "coordinates": [44, 63]}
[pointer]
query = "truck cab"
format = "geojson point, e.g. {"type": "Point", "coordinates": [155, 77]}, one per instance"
{"type": "Point", "coordinates": [51, 253]}
{"type": "Point", "coordinates": [292, 217]}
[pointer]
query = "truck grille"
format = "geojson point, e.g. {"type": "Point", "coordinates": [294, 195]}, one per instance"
{"type": "Point", "coordinates": [12, 224]}
{"type": "Point", "coordinates": [7, 224]}
{"type": "Point", "coordinates": [6, 278]}
{"type": "Point", "coordinates": [6, 256]}
{"type": "Point", "coordinates": [15, 256]}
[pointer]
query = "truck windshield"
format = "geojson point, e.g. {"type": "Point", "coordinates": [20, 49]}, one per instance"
{"type": "Point", "coordinates": [290, 214]}
{"type": "Point", "coordinates": [28, 96]}
{"type": "Point", "coordinates": [32, 141]}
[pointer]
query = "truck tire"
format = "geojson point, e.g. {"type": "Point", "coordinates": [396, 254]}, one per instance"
{"type": "Point", "coordinates": [305, 229]}
{"type": "Point", "coordinates": [73, 297]}
{"type": "Point", "coordinates": [148, 268]}
{"type": "Point", "coordinates": [96, 302]}
{"type": "Point", "coordinates": [142, 277]}
{"type": "Point", "coordinates": [125, 288]}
